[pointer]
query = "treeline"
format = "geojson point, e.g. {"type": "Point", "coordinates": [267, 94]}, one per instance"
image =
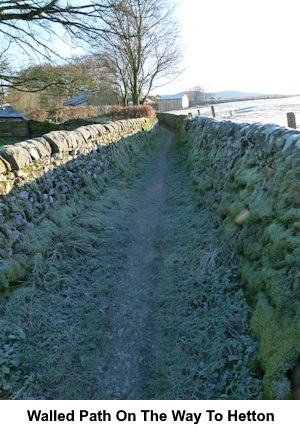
{"type": "Point", "coordinates": [48, 86]}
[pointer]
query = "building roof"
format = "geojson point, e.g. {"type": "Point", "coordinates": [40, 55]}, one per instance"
{"type": "Point", "coordinates": [173, 97]}
{"type": "Point", "coordinates": [7, 111]}
{"type": "Point", "coordinates": [77, 100]}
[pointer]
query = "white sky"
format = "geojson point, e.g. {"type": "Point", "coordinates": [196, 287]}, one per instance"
{"type": "Point", "coordinates": [242, 45]}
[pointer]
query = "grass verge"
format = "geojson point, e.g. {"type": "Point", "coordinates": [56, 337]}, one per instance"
{"type": "Point", "coordinates": [202, 318]}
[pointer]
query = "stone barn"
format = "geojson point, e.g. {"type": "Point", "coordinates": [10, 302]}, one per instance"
{"type": "Point", "coordinates": [174, 102]}
{"type": "Point", "coordinates": [13, 123]}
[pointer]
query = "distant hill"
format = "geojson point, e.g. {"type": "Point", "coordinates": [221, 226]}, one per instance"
{"type": "Point", "coordinates": [235, 94]}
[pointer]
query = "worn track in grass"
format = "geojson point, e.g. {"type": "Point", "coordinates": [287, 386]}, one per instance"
{"type": "Point", "coordinates": [126, 370]}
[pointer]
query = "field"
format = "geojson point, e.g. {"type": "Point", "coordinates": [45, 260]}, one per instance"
{"type": "Point", "coordinates": [264, 111]}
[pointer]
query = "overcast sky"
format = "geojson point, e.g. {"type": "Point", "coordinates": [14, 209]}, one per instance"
{"type": "Point", "coordinates": [243, 45]}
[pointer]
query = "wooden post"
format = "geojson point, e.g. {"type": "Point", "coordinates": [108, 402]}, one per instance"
{"type": "Point", "coordinates": [291, 118]}
{"type": "Point", "coordinates": [199, 112]}
{"type": "Point", "coordinates": [213, 111]}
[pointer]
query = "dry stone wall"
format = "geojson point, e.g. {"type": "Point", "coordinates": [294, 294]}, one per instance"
{"type": "Point", "coordinates": [250, 175]}
{"type": "Point", "coordinates": [170, 120]}
{"type": "Point", "coordinates": [40, 173]}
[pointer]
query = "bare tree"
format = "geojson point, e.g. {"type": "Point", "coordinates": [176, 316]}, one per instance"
{"type": "Point", "coordinates": [143, 48]}
{"type": "Point", "coordinates": [30, 24]}
{"type": "Point", "coordinates": [48, 85]}
{"type": "Point", "coordinates": [115, 64]}
{"type": "Point", "coordinates": [196, 95]}
{"type": "Point", "coordinates": [30, 27]}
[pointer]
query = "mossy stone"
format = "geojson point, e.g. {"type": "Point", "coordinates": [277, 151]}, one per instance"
{"type": "Point", "coordinates": [277, 348]}
{"type": "Point", "coordinates": [3, 169]}
{"type": "Point", "coordinates": [4, 283]}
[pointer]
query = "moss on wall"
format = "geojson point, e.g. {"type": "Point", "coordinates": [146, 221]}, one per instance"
{"type": "Point", "coordinates": [59, 165]}
{"type": "Point", "coordinates": [174, 122]}
{"type": "Point", "coordinates": [249, 174]}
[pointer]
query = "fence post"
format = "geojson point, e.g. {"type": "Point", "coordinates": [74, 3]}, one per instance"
{"type": "Point", "coordinates": [213, 111]}
{"type": "Point", "coordinates": [291, 118]}
{"type": "Point", "coordinates": [199, 112]}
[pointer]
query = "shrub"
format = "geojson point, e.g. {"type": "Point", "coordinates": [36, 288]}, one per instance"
{"type": "Point", "coordinates": [141, 111]}
{"type": "Point", "coordinates": [65, 113]}
{"type": "Point", "coordinates": [117, 113]}
{"type": "Point", "coordinates": [38, 115]}
{"type": "Point", "coordinates": [38, 128]}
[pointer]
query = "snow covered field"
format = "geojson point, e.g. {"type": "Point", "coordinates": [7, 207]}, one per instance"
{"type": "Point", "coordinates": [265, 111]}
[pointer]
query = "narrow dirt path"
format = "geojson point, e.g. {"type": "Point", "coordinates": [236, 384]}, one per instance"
{"type": "Point", "coordinates": [125, 372]}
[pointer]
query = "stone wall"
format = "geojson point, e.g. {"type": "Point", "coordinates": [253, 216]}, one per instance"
{"type": "Point", "coordinates": [43, 173]}
{"type": "Point", "coordinates": [250, 175]}
{"type": "Point", "coordinates": [172, 121]}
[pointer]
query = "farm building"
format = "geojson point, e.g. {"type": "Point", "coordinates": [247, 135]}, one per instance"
{"type": "Point", "coordinates": [80, 100]}
{"type": "Point", "coordinates": [95, 98]}
{"type": "Point", "coordinates": [174, 102]}
{"type": "Point", "coordinates": [13, 123]}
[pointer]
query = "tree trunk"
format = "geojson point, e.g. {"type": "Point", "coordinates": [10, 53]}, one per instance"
{"type": "Point", "coordinates": [125, 97]}
{"type": "Point", "coordinates": [135, 89]}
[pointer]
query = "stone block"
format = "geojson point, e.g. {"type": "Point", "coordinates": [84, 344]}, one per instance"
{"type": "Point", "coordinates": [85, 132]}
{"type": "Point", "coordinates": [290, 141]}
{"type": "Point", "coordinates": [71, 139]}
{"type": "Point", "coordinates": [40, 145]}
{"type": "Point", "coordinates": [3, 168]}
{"type": "Point", "coordinates": [34, 154]}
{"type": "Point", "coordinates": [17, 156]}
{"type": "Point", "coordinates": [57, 141]}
